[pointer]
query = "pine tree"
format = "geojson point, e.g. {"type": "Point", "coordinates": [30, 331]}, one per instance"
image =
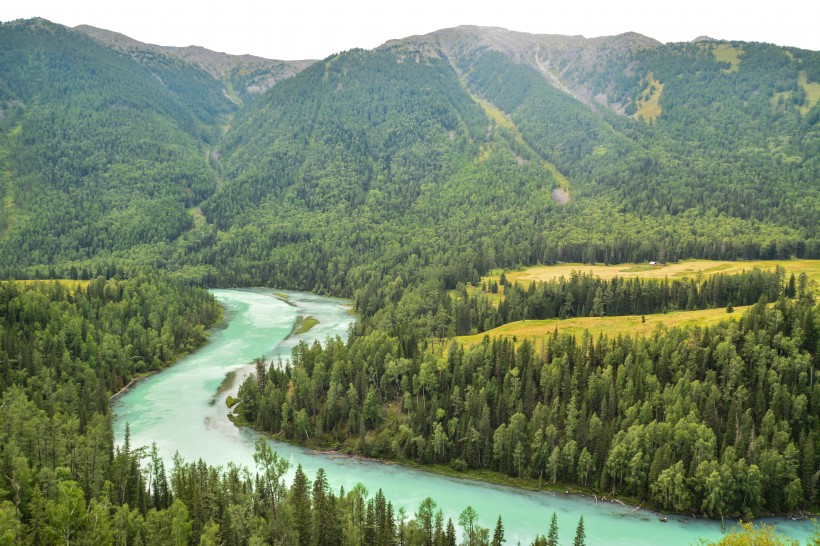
{"type": "Point", "coordinates": [323, 512]}
{"type": "Point", "coordinates": [438, 534]}
{"type": "Point", "coordinates": [300, 499]}
{"type": "Point", "coordinates": [451, 533]}
{"type": "Point", "coordinates": [791, 288]}
{"type": "Point", "coordinates": [370, 524]}
{"type": "Point", "coordinates": [580, 534]}
{"type": "Point", "coordinates": [389, 531]}
{"type": "Point", "coordinates": [552, 535]}
{"type": "Point", "coordinates": [498, 535]}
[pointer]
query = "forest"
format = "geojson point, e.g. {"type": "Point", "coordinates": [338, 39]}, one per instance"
{"type": "Point", "coordinates": [718, 421]}
{"type": "Point", "coordinates": [65, 348]}
{"type": "Point", "coordinates": [397, 177]}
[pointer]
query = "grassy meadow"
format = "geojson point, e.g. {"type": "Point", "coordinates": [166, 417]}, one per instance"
{"type": "Point", "coordinates": [649, 106]}
{"type": "Point", "coordinates": [728, 54]}
{"type": "Point", "coordinates": [72, 284]}
{"type": "Point", "coordinates": [688, 268]}
{"type": "Point", "coordinates": [536, 330]}
{"type": "Point", "coordinates": [631, 324]}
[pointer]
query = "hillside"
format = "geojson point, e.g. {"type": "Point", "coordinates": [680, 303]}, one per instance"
{"type": "Point", "coordinates": [401, 178]}
{"type": "Point", "coordinates": [245, 75]}
{"type": "Point", "coordinates": [430, 159]}
{"type": "Point", "coordinates": [100, 152]}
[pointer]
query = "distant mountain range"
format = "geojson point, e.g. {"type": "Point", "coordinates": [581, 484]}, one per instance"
{"type": "Point", "coordinates": [446, 147]}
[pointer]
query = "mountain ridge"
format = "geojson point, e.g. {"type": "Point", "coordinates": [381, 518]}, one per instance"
{"type": "Point", "coordinates": [619, 122]}
{"type": "Point", "coordinates": [222, 66]}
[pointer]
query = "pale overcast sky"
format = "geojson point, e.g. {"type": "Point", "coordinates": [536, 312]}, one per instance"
{"type": "Point", "coordinates": [303, 29]}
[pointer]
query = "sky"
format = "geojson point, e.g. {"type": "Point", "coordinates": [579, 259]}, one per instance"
{"type": "Point", "coordinates": [314, 29]}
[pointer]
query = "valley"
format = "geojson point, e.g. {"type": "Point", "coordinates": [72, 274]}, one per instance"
{"type": "Point", "coordinates": [395, 208]}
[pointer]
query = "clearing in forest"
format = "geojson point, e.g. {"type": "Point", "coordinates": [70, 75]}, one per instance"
{"type": "Point", "coordinates": [812, 92]}
{"type": "Point", "coordinates": [688, 268]}
{"type": "Point", "coordinates": [728, 54]}
{"type": "Point", "coordinates": [536, 330]}
{"type": "Point", "coordinates": [648, 103]}
{"type": "Point", "coordinates": [71, 284]}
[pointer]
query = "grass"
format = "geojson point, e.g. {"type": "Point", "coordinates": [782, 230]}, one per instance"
{"type": "Point", "coordinates": [198, 216]}
{"type": "Point", "coordinates": [306, 325]}
{"type": "Point", "coordinates": [648, 103]}
{"type": "Point", "coordinates": [728, 54]}
{"type": "Point", "coordinates": [812, 92]}
{"type": "Point", "coordinates": [535, 330]}
{"type": "Point", "coordinates": [688, 268]}
{"type": "Point", "coordinates": [785, 95]}
{"type": "Point", "coordinates": [71, 284]}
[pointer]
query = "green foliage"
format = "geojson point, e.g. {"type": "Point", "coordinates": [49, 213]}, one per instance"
{"type": "Point", "coordinates": [106, 150]}
{"type": "Point", "coordinates": [63, 352]}
{"type": "Point", "coordinates": [681, 419]}
{"type": "Point", "coordinates": [751, 535]}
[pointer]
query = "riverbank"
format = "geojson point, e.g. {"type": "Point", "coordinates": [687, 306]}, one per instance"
{"type": "Point", "coordinates": [535, 485]}
{"type": "Point", "coordinates": [125, 389]}
{"type": "Point", "coordinates": [220, 322]}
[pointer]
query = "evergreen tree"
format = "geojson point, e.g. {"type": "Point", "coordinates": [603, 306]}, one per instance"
{"type": "Point", "coordinates": [300, 500]}
{"type": "Point", "coordinates": [552, 534]}
{"type": "Point", "coordinates": [580, 534]}
{"type": "Point", "coordinates": [451, 533]}
{"type": "Point", "coordinates": [324, 512]}
{"type": "Point", "coordinates": [498, 534]}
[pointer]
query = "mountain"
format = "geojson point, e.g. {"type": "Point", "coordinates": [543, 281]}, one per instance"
{"type": "Point", "coordinates": [440, 151]}
{"type": "Point", "coordinates": [564, 61]}
{"type": "Point", "coordinates": [246, 75]}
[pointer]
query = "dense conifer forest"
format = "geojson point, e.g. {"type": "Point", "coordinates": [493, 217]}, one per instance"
{"type": "Point", "coordinates": [397, 177]}
{"type": "Point", "coordinates": [719, 421]}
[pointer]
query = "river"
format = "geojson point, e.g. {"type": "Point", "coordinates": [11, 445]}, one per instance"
{"type": "Point", "coordinates": [183, 410]}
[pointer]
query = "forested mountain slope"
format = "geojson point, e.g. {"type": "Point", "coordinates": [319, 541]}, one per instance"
{"type": "Point", "coordinates": [721, 139]}
{"type": "Point", "coordinates": [428, 160]}
{"type": "Point", "coordinates": [243, 75]}
{"type": "Point", "coordinates": [100, 152]}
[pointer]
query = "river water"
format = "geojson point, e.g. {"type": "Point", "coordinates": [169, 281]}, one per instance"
{"type": "Point", "coordinates": [183, 410]}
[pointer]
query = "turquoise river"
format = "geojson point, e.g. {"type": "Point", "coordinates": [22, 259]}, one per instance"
{"type": "Point", "coordinates": [183, 410]}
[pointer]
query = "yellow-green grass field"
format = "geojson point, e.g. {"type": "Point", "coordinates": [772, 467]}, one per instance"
{"type": "Point", "coordinates": [688, 268]}
{"type": "Point", "coordinates": [71, 284]}
{"type": "Point", "coordinates": [812, 92]}
{"type": "Point", "coordinates": [536, 330]}
{"type": "Point", "coordinates": [728, 54]}
{"type": "Point", "coordinates": [649, 106]}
